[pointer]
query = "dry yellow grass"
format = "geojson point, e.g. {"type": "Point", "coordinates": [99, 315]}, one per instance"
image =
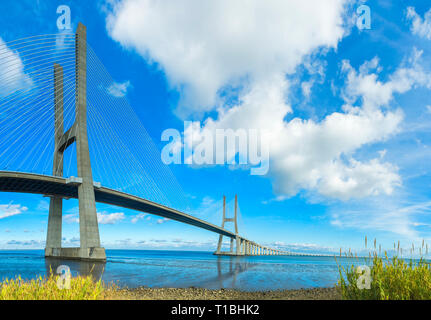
{"type": "Point", "coordinates": [391, 279]}
{"type": "Point", "coordinates": [81, 288]}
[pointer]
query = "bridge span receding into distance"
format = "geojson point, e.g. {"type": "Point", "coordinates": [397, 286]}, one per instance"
{"type": "Point", "coordinates": [67, 188]}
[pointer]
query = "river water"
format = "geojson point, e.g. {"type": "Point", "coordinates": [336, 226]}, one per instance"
{"type": "Point", "coordinates": [183, 269]}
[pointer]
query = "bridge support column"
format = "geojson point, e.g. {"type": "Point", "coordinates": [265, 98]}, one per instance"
{"type": "Point", "coordinates": [238, 241]}
{"type": "Point", "coordinates": [53, 236]}
{"type": "Point", "coordinates": [88, 225]}
{"type": "Point", "coordinates": [90, 248]}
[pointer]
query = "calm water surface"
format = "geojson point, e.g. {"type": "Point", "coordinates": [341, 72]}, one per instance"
{"type": "Point", "coordinates": [182, 269]}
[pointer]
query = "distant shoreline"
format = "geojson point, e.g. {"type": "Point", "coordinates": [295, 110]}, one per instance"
{"type": "Point", "coordinates": [143, 293]}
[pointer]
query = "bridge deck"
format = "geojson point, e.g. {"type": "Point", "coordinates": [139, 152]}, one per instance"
{"type": "Point", "coordinates": [57, 186]}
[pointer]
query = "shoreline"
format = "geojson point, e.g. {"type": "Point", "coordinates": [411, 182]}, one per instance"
{"type": "Point", "coordinates": [145, 293]}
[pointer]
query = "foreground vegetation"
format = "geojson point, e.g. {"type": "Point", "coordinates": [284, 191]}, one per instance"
{"type": "Point", "coordinates": [391, 279]}
{"type": "Point", "coordinates": [388, 279]}
{"type": "Point", "coordinates": [81, 288]}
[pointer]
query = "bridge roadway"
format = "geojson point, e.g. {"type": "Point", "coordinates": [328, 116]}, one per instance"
{"type": "Point", "coordinates": [11, 181]}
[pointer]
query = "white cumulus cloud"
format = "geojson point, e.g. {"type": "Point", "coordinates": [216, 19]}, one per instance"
{"type": "Point", "coordinates": [102, 217]}
{"type": "Point", "coordinates": [8, 210]}
{"type": "Point", "coordinates": [118, 89]}
{"type": "Point", "coordinates": [109, 218]}
{"type": "Point", "coordinates": [420, 26]}
{"type": "Point", "coordinates": [12, 75]}
{"type": "Point", "coordinates": [204, 46]}
{"type": "Point", "coordinates": [138, 217]}
{"type": "Point", "coordinates": [210, 50]}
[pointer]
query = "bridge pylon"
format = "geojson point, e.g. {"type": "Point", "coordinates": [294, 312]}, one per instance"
{"type": "Point", "coordinates": [90, 248]}
{"type": "Point", "coordinates": [238, 240]}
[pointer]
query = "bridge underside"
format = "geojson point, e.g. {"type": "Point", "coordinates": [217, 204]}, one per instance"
{"type": "Point", "coordinates": [60, 187]}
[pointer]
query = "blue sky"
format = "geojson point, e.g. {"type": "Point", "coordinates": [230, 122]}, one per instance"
{"type": "Point", "coordinates": [349, 111]}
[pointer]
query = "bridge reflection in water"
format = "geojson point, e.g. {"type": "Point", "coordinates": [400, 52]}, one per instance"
{"type": "Point", "coordinates": [227, 270]}
{"type": "Point", "coordinates": [235, 266]}
{"type": "Point", "coordinates": [77, 267]}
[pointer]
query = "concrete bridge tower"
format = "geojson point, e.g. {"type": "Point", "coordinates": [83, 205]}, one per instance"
{"type": "Point", "coordinates": [238, 240]}
{"type": "Point", "coordinates": [88, 226]}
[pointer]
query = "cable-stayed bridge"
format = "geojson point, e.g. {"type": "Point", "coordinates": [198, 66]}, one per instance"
{"type": "Point", "coordinates": [54, 94]}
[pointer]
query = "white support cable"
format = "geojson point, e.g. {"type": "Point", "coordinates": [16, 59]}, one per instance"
{"type": "Point", "coordinates": [68, 113]}
{"type": "Point", "coordinates": [132, 163]}
{"type": "Point", "coordinates": [102, 160]}
{"type": "Point", "coordinates": [135, 122]}
{"type": "Point", "coordinates": [55, 131]}
{"type": "Point", "coordinates": [34, 74]}
{"type": "Point", "coordinates": [22, 122]}
{"type": "Point", "coordinates": [11, 132]}
{"type": "Point", "coordinates": [37, 55]}
{"type": "Point", "coordinates": [47, 82]}
{"type": "Point", "coordinates": [29, 110]}
{"type": "Point", "coordinates": [105, 129]}
{"type": "Point", "coordinates": [37, 78]}
{"type": "Point", "coordinates": [25, 47]}
{"type": "Point", "coordinates": [106, 103]}
{"type": "Point", "coordinates": [29, 55]}
{"type": "Point", "coordinates": [39, 125]}
{"type": "Point", "coordinates": [153, 186]}
{"type": "Point", "coordinates": [32, 65]}
{"type": "Point", "coordinates": [34, 38]}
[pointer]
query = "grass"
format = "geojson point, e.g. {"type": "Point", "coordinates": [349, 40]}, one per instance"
{"type": "Point", "coordinates": [391, 279]}
{"type": "Point", "coordinates": [81, 288]}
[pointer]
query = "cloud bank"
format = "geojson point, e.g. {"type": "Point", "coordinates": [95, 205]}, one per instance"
{"type": "Point", "coordinates": [235, 60]}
